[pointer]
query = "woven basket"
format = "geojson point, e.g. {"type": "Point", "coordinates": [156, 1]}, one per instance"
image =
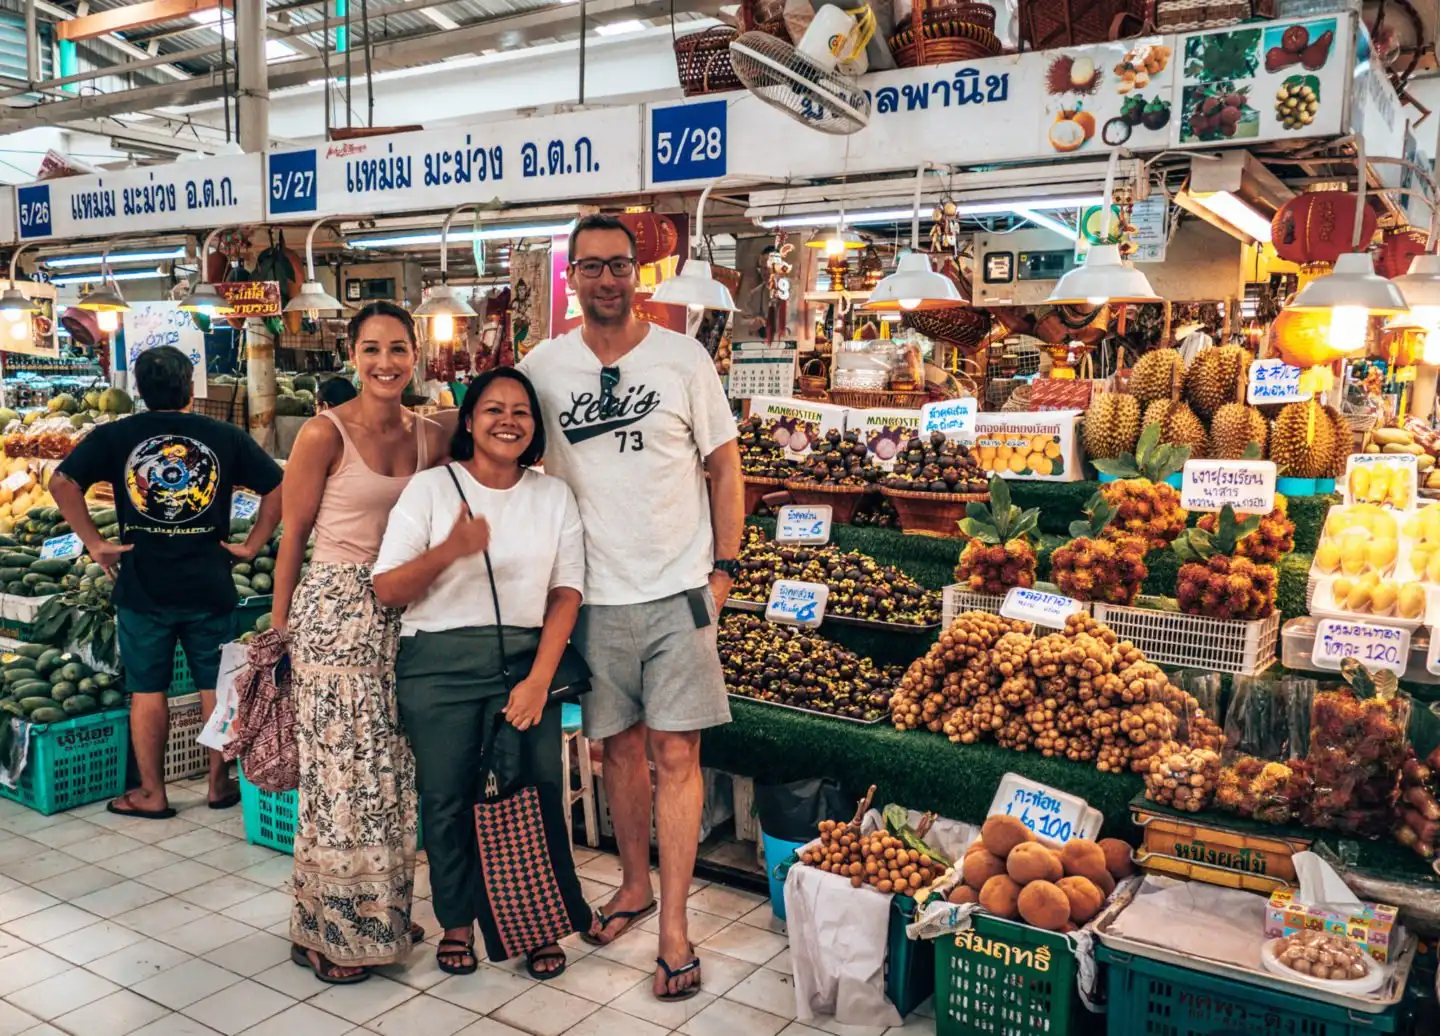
{"type": "Point", "coordinates": [945, 33]}
{"type": "Point", "coordinates": [843, 501]}
{"type": "Point", "coordinates": [757, 489]}
{"type": "Point", "coordinates": [1188, 15]}
{"type": "Point", "coordinates": [814, 385]}
{"type": "Point", "coordinates": [1070, 23]}
{"type": "Point", "coordinates": [862, 399]}
{"type": "Point", "coordinates": [962, 326]}
{"type": "Point", "coordinates": [703, 61]}
{"type": "Point", "coordinates": [931, 514]}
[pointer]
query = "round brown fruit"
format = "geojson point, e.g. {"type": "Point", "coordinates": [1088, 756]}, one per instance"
{"type": "Point", "coordinates": [1002, 833]}
{"type": "Point", "coordinates": [1042, 904]}
{"type": "Point", "coordinates": [981, 867]}
{"type": "Point", "coordinates": [1001, 896]}
{"type": "Point", "coordinates": [1117, 857]}
{"type": "Point", "coordinates": [962, 894]}
{"type": "Point", "coordinates": [1085, 899]}
{"type": "Point", "coordinates": [1031, 861]}
{"type": "Point", "coordinates": [1083, 857]}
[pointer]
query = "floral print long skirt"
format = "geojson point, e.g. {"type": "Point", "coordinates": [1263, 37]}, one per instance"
{"type": "Point", "coordinates": [356, 817]}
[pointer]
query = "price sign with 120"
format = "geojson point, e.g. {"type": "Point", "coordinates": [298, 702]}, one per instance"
{"type": "Point", "coordinates": [67, 546]}
{"type": "Point", "coordinates": [1377, 647]}
{"type": "Point", "coordinates": [687, 142]}
{"type": "Point", "coordinates": [243, 506]}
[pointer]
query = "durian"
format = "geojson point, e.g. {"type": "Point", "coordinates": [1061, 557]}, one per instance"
{"type": "Point", "coordinates": [1234, 427]}
{"type": "Point", "coordinates": [1152, 375]}
{"type": "Point", "coordinates": [1212, 379]}
{"type": "Point", "coordinates": [1179, 426]}
{"type": "Point", "coordinates": [1112, 425]}
{"type": "Point", "coordinates": [1298, 452]}
{"type": "Point", "coordinates": [1344, 443]}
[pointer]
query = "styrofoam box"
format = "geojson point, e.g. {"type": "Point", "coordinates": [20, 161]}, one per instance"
{"type": "Point", "coordinates": [1322, 603]}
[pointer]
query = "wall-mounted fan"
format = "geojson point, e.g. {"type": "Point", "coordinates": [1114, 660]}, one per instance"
{"type": "Point", "coordinates": [804, 81]}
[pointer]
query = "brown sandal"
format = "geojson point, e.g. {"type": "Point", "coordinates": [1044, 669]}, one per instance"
{"type": "Point", "coordinates": [325, 969]}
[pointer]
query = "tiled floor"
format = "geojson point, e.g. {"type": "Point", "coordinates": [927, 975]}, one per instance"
{"type": "Point", "coordinates": [112, 926]}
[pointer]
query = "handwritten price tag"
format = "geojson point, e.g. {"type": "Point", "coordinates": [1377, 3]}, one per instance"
{"type": "Point", "coordinates": [1275, 381]}
{"type": "Point", "coordinates": [67, 546]}
{"type": "Point", "coordinates": [1039, 607]}
{"type": "Point", "coordinates": [1246, 485]}
{"type": "Point", "coordinates": [16, 480]}
{"type": "Point", "coordinates": [954, 418]}
{"type": "Point", "coordinates": [1376, 647]}
{"type": "Point", "coordinates": [810, 524]}
{"type": "Point", "coordinates": [1049, 812]}
{"type": "Point", "coordinates": [243, 506]}
{"type": "Point", "coordinates": [797, 604]}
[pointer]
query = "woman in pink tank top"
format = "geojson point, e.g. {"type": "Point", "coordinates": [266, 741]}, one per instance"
{"type": "Point", "coordinates": [356, 817]}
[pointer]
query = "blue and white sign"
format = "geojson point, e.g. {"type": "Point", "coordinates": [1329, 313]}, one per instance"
{"type": "Point", "coordinates": [797, 604]}
{"type": "Point", "coordinates": [955, 418]}
{"type": "Point", "coordinates": [60, 547]}
{"type": "Point", "coordinates": [809, 524]}
{"type": "Point", "coordinates": [243, 505]}
{"type": "Point", "coordinates": [1050, 813]}
{"type": "Point", "coordinates": [687, 142]}
{"type": "Point", "coordinates": [181, 196]}
{"type": "Point", "coordinates": [1026, 604]}
{"type": "Point", "coordinates": [1246, 485]}
{"type": "Point", "coordinates": [1375, 647]}
{"type": "Point", "coordinates": [1275, 381]}
{"type": "Point", "coordinates": [572, 155]}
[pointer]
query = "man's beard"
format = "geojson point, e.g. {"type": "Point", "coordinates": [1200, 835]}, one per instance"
{"type": "Point", "coordinates": [594, 316]}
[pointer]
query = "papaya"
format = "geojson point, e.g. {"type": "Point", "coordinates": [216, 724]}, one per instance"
{"type": "Point", "coordinates": [30, 689]}
{"type": "Point", "coordinates": [87, 685]}
{"type": "Point", "coordinates": [10, 574]}
{"type": "Point", "coordinates": [36, 701]}
{"type": "Point", "coordinates": [14, 559]}
{"type": "Point", "coordinates": [62, 690]}
{"type": "Point", "coordinates": [74, 671]}
{"type": "Point", "coordinates": [79, 704]}
{"type": "Point", "coordinates": [104, 518]}
{"type": "Point", "coordinates": [48, 661]}
{"type": "Point", "coordinates": [43, 587]}
{"type": "Point", "coordinates": [49, 714]}
{"type": "Point", "coordinates": [109, 698]}
{"type": "Point", "coordinates": [13, 708]}
{"type": "Point", "coordinates": [31, 650]}
{"type": "Point", "coordinates": [242, 569]}
{"type": "Point", "coordinates": [18, 676]}
{"type": "Point", "coordinates": [261, 582]}
{"type": "Point", "coordinates": [244, 591]}
{"type": "Point", "coordinates": [51, 566]}
{"type": "Point", "coordinates": [240, 578]}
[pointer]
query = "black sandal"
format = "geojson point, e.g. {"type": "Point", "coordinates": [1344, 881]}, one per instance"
{"type": "Point", "coordinates": [417, 935]}
{"type": "Point", "coordinates": [630, 917]}
{"type": "Point", "coordinates": [689, 992]}
{"type": "Point", "coordinates": [464, 949]}
{"type": "Point", "coordinates": [534, 957]}
{"type": "Point", "coordinates": [325, 969]}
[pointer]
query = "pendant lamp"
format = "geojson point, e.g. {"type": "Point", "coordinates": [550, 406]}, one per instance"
{"type": "Point", "coordinates": [203, 297]}
{"type": "Point", "coordinates": [107, 297]}
{"type": "Point", "coordinates": [313, 297]}
{"type": "Point", "coordinates": [695, 286]}
{"type": "Point", "coordinates": [914, 285]}
{"type": "Point", "coordinates": [445, 305]}
{"type": "Point", "coordinates": [14, 303]}
{"type": "Point", "coordinates": [1103, 276]}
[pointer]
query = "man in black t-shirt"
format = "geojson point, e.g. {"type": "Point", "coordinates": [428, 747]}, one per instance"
{"type": "Point", "coordinates": [173, 473]}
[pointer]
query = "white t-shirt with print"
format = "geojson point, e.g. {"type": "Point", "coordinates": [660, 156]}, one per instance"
{"type": "Point", "coordinates": [536, 544]}
{"type": "Point", "coordinates": [637, 471]}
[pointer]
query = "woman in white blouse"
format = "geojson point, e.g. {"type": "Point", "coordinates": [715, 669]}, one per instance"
{"type": "Point", "coordinates": [449, 683]}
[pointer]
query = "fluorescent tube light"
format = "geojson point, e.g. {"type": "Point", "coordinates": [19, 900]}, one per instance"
{"type": "Point", "coordinates": [979, 208]}
{"type": "Point", "coordinates": [96, 275]}
{"type": "Point", "coordinates": [1234, 211]}
{"type": "Point", "coordinates": [432, 237]}
{"type": "Point", "coordinates": [64, 261]}
{"type": "Point", "coordinates": [1048, 222]}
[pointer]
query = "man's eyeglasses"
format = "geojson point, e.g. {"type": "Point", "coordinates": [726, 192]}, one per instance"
{"type": "Point", "coordinates": [609, 378]}
{"type": "Point", "coordinates": [620, 267]}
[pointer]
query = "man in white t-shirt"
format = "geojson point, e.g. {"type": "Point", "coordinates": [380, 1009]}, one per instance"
{"type": "Point", "coordinates": [635, 417]}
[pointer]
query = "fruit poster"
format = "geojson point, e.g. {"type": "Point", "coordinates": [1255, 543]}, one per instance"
{"type": "Point", "coordinates": [1109, 95]}
{"type": "Point", "coordinates": [797, 424]}
{"type": "Point", "coordinates": [885, 433]}
{"type": "Point", "coordinates": [1265, 81]}
{"type": "Point", "coordinates": [1038, 446]}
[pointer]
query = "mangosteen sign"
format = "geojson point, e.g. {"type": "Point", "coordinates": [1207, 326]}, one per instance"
{"type": "Point", "coordinates": [794, 603]}
{"type": "Point", "coordinates": [806, 525]}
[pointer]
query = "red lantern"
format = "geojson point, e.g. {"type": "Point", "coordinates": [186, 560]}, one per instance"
{"type": "Point", "coordinates": [1393, 256]}
{"type": "Point", "coordinates": [1318, 227]}
{"type": "Point", "coordinates": [655, 235]}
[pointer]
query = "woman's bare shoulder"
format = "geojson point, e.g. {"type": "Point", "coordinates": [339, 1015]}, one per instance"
{"type": "Point", "coordinates": [439, 429]}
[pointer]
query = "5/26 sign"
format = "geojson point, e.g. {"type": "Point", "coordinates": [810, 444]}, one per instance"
{"type": "Point", "coordinates": [33, 204]}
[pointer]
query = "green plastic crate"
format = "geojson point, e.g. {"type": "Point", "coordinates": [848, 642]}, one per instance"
{"type": "Point", "coordinates": [270, 817]}
{"type": "Point", "coordinates": [1009, 979]}
{"type": "Point", "coordinates": [909, 963]}
{"type": "Point", "coordinates": [74, 763]}
{"type": "Point", "coordinates": [1147, 996]}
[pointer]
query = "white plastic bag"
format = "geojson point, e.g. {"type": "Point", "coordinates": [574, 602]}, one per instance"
{"type": "Point", "coordinates": [216, 734]}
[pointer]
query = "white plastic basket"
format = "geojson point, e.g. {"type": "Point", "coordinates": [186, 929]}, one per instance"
{"type": "Point", "coordinates": [956, 600]}
{"type": "Point", "coordinates": [1195, 641]}
{"type": "Point", "coordinates": [184, 756]}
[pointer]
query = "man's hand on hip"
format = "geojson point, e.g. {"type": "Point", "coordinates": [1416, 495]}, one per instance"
{"type": "Point", "coordinates": [720, 585]}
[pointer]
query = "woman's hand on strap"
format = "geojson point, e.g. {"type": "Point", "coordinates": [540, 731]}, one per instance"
{"type": "Point", "coordinates": [527, 702]}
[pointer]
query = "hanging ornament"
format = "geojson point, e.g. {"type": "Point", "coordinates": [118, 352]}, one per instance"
{"type": "Point", "coordinates": [945, 226]}
{"type": "Point", "coordinates": [1316, 228]}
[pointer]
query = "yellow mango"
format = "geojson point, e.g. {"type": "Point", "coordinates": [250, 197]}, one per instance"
{"type": "Point", "coordinates": [1420, 559]}
{"type": "Point", "coordinates": [1381, 552]}
{"type": "Point", "coordinates": [1383, 597]}
{"type": "Point", "coordinates": [1370, 579]}
{"type": "Point", "coordinates": [1358, 599]}
{"type": "Point", "coordinates": [1384, 524]}
{"type": "Point", "coordinates": [1411, 602]}
{"type": "Point", "coordinates": [1327, 557]}
{"type": "Point", "coordinates": [1432, 568]}
{"type": "Point", "coordinates": [1352, 556]}
{"type": "Point", "coordinates": [1340, 589]}
{"type": "Point", "coordinates": [1360, 484]}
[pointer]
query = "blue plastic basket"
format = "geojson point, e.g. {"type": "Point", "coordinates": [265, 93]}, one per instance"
{"type": "Point", "coordinates": [1147, 996]}
{"type": "Point", "coordinates": [74, 762]}
{"type": "Point", "coordinates": [779, 855]}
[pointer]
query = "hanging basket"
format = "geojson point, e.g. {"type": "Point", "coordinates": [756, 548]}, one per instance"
{"type": "Point", "coordinates": [1070, 23]}
{"type": "Point", "coordinates": [961, 326]}
{"type": "Point", "coordinates": [946, 32]}
{"type": "Point", "coordinates": [703, 61]}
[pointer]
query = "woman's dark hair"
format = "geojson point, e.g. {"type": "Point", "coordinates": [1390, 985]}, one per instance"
{"type": "Point", "coordinates": [462, 443]}
{"type": "Point", "coordinates": [163, 376]}
{"type": "Point", "coordinates": [600, 221]}
{"type": "Point", "coordinates": [382, 308]}
{"type": "Point", "coordinates": [336, 391]}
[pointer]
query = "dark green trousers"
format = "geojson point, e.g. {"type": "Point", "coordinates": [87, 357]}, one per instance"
{"type": "Point", "coordinates": [450, 691]}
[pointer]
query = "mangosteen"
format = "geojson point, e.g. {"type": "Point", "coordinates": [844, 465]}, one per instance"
{"type": "Point", "coordinates": [938, 486]}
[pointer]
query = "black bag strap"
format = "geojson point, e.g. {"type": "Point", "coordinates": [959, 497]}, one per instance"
{"type": "Point", "coordinates": [494, 594]}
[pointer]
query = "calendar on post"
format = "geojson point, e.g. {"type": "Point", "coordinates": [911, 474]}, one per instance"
{"type": "Point", "coordinates": [762, 369]}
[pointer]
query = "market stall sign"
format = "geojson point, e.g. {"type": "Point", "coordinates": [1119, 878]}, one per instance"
{"type": "Point", "coordinates": [1246, 485]}
{"type": "Point", "coordinates": [251, 298]}
{"type": "Point", "coordinates": [794, 603]}
{"type": "Point", "coordinates": [243, 506]}
{"type": "Point", "coordinates": [1050, 813]}
{"type": "Point", "coordinates": [148, 324]}
{"type": "Point", "coordinates": [810, 524]}
{"type": "Point", "coordinates": [1376, 647]}
{"type": "Point", "coordinates": [1387, 479]}
{"type": "Point", "coordinates": [570, 155]}
{"type": "Point", "coordinates": [1042, 445]}
{"type": "Point", "coordinates": [884, 433]}
{"type": "Point", "coordinates": [953, 418]}
{"type": "Point", "coordinates": [181, 196]}
{"type": "Point", "coordinates": [60, 547]}
{"type": "Point", "coordinates": [1275, 381]}
{"type": "Point", "coordinates": [1027, 604]}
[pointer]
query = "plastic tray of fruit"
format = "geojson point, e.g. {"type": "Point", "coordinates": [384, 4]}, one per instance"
{"type": "Point", "coordinates": [1297, 642]}
{"type": "Point", "coordinates": [740, 604]}
{"type": "Point", "coordinates": [1386, 602]}
{"type": "Point", "coordinates": [1360, 539]}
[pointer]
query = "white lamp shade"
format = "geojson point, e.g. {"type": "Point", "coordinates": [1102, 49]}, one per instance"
{"type": "Point", "coordinates": [1353, 284]}
{"type": "Point", "coordinates": [1103, 277]}
{"type": "Point", "coordinates": [204, 298]}
{"type": "Point", "coordinates": [914, 285]}
{"type": "Point", "coordinates": [695, 286]}
{"type": "Point", "coordinates": [104, 298]}
{"type": "Point", "coordinates": [312, 298]}
{"type": "Point", "coordinates": [447, 301]}
{"type": "Point", "coordinates": [1421, 283]}
{"type": "Point", "coordinates": [14, 304]}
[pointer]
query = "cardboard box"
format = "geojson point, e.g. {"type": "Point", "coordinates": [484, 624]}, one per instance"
{"type": "Point", "coordinates": [1371, 928]}
{"type": "Point", "coordinates": [885, 433]}
{"type": "Point", "coordinates": [797, 424]}
{"type": "Point", "coordinates": [1043, 445]}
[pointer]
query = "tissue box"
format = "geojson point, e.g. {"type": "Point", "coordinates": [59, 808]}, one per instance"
{"type": "Point", "coordinates": [1371, 928]}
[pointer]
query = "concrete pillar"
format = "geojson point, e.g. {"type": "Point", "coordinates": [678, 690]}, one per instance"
{"type": "Point", "coordinates": [260, 381]}
{"type": "Point", "coordinates": [254, 78]}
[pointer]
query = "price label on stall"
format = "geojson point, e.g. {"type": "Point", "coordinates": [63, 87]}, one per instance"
{"type": "Point", "coordinates": [1275, 381]}
{"type": "Point", "coordinates": [243, 506]}
{"type": "Point", "coordinates": [1050, 813]}
{"type": "Point", "coordinates": [953, 418]}
{"type": "Point", "coordinates": [1376, 647]}
{"type": "Point", "coordinates": [809, 524]}
{"type": "Point", "coordinates": [794, 603]}
{"type": "Point", "coordinates": [1246, 485]}
{"type": "Point", "coordinates": [1037, 606]}
{"type": "Point", "coordinates": [16, 480]}
{"type": "Point", "coordinates": [687, 141]}
{"type": "Point", "coordinates": [60, 547]}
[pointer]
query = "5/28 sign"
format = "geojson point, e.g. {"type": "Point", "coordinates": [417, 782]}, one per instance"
{"type": "Point", "coordinates": [687, 142]}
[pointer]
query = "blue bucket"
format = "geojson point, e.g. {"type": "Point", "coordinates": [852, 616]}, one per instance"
{"type": "Point", "coordinates": [1295, 486]}
{"type": "Point", "coordinates": [778, 855]}
{"type": "Point", "coordinates": [1324, 486]}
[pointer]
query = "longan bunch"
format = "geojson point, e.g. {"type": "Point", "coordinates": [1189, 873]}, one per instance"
{"type": "Point", "coordinates": [1183, 777]}
{"type": "Point", "coordinates": [876, 859]}
{"type": "Point", "coordinates": [925, 695]}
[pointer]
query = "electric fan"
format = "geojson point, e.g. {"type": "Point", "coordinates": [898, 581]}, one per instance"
{"type": "Point", "coordinates": [803, 81]}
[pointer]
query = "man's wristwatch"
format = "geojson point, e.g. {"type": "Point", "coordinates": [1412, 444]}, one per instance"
{"type": "Point", "coordinates": [729, 566]}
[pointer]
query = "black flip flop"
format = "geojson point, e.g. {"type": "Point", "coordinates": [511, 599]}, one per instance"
{"type": "Point", "coordinates": [227, 802]}
{"type": "Point", "coordinates": [534, 957]}
{"type": "Point", "coordinates": [689, 992]}
{"type": "Point", "coordinates": [143, 814]}
{"type": "Point", "coordinates": [325, 969]}
{"type": "Point", "coordinates": [630, 917]}
{"type": "Point", "coordinates": [417, 935]}
{"type": "Point", "coordinates": [462, 949]}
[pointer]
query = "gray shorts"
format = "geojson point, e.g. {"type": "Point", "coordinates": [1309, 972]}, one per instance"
{"type": "Point", "coordinates": [649, 664]}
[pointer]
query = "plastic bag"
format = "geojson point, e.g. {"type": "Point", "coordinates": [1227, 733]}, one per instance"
{"type": "Point", "coordinates": [1260, 779]}
{"type": "Point", "coordinates": [792, 812]}
{"type": "Point", "coordinates": [1357, 748]}
{"type": "Point", "coordinates": [217, 734]}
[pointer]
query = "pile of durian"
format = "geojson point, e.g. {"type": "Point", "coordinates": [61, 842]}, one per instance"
{"type": "Point", "coordinates": [1203, 407]}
